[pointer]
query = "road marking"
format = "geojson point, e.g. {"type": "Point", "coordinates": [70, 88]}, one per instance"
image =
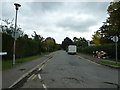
{"type": "Point", "coordinates": [89, 60]}
{"type": "Point", "coordinates": [34, 77]}
{"type": "Point", "coordinates": [40, 68]}
{"type": "Point", "coordinates": [44, 86]}
{"type": "Point", "coordinates": [31, 76]}
{"type": "Point", "coordinates": [39, 76]}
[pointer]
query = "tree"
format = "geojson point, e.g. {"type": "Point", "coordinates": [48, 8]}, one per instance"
{"type": "Point", "coordinates": [8, 27]}
{"type": "Point", "coordinates": [80, 42]}
{"type": "Point", "coordinates": [97, 38]}
{"type": "Point", "coordinates": [75, 39]}
{"type": "Point", "coordinates": [50, 44]}
{"type": "Point", "coordinates": [67, 41]}
{"type": "Point", "coordinates": [111, 27]}
{"type": "Point", "coordinates": [39, 39]}
{"type": "Point", "coordinates": [25, 36]}
{"type": "Point", "coordinates": [114, 16]}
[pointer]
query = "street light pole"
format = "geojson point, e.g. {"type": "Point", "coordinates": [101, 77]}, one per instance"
{"type": "Point", "coordinates": [16, 7]}
{"type": "Point", "coordinates": [116, 52]}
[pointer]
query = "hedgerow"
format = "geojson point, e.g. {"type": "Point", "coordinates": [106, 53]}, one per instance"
{"type": "Point", "coordinates": [109, 48]}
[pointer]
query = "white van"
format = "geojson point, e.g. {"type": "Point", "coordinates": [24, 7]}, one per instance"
{"type": "Point", "coordinates": [72, 49]}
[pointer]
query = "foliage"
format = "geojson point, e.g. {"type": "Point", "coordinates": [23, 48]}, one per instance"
{"type": "Point", "coordinates": [25, 46]}
{"type": "Point", "coordinates": [50, 44]}
{"type": "Point", "coordinates": [8, 28]}
{"type": "Point", "coordinates": [7, 45]}
{"type": "Point", "coordinates": [97, 38]}
{"type": "Point", "coordinates": [111, 27]}
{"type": "Point", "coordinates": [67, 41]}
{"type": "Point", "coordinates": [9, 64]}
{"type": "Point", "coordinates": [110, 48]}
{"type": "Point", "coordinates": [80, 42]}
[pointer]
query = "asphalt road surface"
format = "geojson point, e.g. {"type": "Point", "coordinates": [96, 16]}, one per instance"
{"type": "Point", "coordinates": [72, 71]}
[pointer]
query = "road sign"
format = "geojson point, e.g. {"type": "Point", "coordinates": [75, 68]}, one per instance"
{"type": "Point", "coordinates": [3, 53]}
{"type": "Point", "coordinates": [16, 35]}
{"type": "Point", "coordinates": [115, 39]}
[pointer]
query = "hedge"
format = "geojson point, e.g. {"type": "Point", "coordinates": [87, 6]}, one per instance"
{"type": "Point", "coordinates": [110, 48]}
{"type": "Point", "coordinates": [24, 47]}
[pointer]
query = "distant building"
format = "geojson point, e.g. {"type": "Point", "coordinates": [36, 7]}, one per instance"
{"type": "Point", "coordinates": [90, 43]}
{"type": "Point", "coordinates": [116, 0]}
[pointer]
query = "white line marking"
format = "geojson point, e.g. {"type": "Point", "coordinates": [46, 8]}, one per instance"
{"type": "Point", "coordinates": [39, 76]}
{"type": "Point", "coordinates": [34, 77]}
{"type": "Point", "coordinates": [44, 86]}
{"type": "Point", "coordinates": [89, 60]}
{"type": "Point", "coordinates": [31, 77]}
{"type": "Point", "coordinates": [40, 68]}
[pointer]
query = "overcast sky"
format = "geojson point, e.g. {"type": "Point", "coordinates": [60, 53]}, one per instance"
{"type": "Point", "coordinates": [58, 19]}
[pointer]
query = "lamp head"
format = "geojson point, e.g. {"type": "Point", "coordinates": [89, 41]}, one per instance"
{"type": "Point", "coordinates": [17, 6]}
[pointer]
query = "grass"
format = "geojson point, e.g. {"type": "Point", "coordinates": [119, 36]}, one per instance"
{"type": "Point", "coordinates": [8, 64]}
{"type": "Point", "coordinates": [111, 59]}
{"type": "Point", "coordinates": [110, 63]}
{"type": "Point", "coordinates": [106, 62]}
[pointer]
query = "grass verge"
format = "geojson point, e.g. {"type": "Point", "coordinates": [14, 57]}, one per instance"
{"type": "Point", "coordinates": [8, 64]}
{"type": "Point", "coordinates": [111, 59]}
{"type": "Point", "coordinates": [109, 63]}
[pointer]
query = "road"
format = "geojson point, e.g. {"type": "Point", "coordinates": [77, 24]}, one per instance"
{"type": "Point", "coordinates": [72, 71]}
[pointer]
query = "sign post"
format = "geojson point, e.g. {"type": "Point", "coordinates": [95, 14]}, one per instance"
{"type": "Point", "coordinates": [115, 39]}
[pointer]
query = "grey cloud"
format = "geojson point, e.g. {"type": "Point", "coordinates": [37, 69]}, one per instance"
{"type": "Point", "coordinates": [42, 7]}
{"type": "Point", "coordinates": [8, 10]}
{"type": "Point", "coordinates": [91, 7]}
{"type": "Point", "coordinates": [73, 25]}
{"type": "Point", "coordinates": [65, 16]}
{"type": "Point", "coordinates": [37, 10]}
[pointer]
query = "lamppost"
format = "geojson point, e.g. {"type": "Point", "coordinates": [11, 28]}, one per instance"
{"type": "Point", "coordinates": [16, 7]}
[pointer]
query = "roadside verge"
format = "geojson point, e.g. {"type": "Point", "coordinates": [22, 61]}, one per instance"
{"type": "Point", "coordinates": [104, 62]}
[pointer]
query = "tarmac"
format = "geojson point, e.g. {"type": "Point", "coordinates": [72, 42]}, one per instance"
{"type": "Point", "coordinates": [11, 75]}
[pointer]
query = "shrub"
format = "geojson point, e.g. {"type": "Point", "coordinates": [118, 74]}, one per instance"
{"type": "Point", "coordinates": [110, 48]}
{"type": "Point", "coordinates": [24, 47]}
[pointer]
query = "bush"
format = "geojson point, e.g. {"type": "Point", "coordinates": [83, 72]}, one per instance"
{"type": "Point", "coordinates": [110, 48]}
{"type": "Point", "coordinates": [24, 47]}
{"type": "Point", "coordinates": [7, 46]}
